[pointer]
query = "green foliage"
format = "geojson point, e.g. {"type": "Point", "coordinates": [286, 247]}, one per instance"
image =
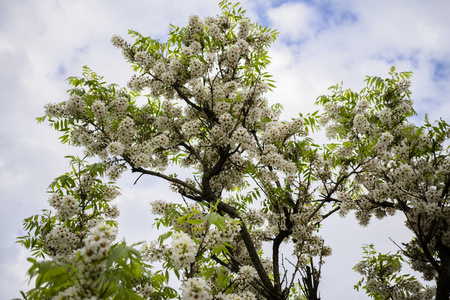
{"type": "Point", "coordinates": [382, 278]}
{"type": "Point", "coordinates": [36, 226]}
{"type": "Point", "coordinates": [50, 278]}
{"type": "Point", "coordinates": [122, 270]}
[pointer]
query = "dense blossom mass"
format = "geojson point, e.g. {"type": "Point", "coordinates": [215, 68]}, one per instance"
{"type": "Point", "coordinates": [256, 182]}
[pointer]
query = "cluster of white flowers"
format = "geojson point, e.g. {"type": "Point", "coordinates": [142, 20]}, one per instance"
{"type": "Point", "coordinates": [115, 148]}
{"type": "Point", "coordinates": [99, 109]}
{"type": "Point", "coordinates": [362, 215]}
{"type": "Point", "coordinates": [92, 223]}
{"type": "Point", "coordinates": [183, 249]}
{"type": "Point", "coordinates": [160, 141]}
{"type": "Point", "coordinates": [112, 212]}
{"type": "Point", "coordinates": [255, 217]}
{"type": "Point", "coordinates": [242, 136]}
{"type": "Point", "coordinates": [159, 207]}
{"type": "Point", "coordinates": [360, 123]}
{"type": "Point", "coordinates": [277, 131]}
{"type": "Point", "coordinates": [98, 242]}
{"type": "Point", "coordinates": [140, 159]}
{"type": "Point", "coordinates": [219, 136]}
{"type": "Point", "coordinates": [66, 206]}
{"type": "Point", "coordinates": [89, 264]}
{"type": "Point", "coordinates": [331, 130]}
{"type": "Point", "coordinates": [322, 167]}
{"type": "Point", "coordinates": [244, 28]}
{"type": "Point", "coordinates": [54, 109]}
{"type": "Point", "coordinates": [384, 141]}
{"type": "Point", "coordinates": [195, 289]}
{"type": "Point", "coordinates": [75, 106]}
{"type": "Point", "coordinates": [233, 55]}
{"type": "Point", "coordinates": [246, 295]}
{"type": "Point", "coordinates": [154, 252]}
{"type": "Point", "coordinates": [115, 170]}
{"type": "Point", "coordinates": [146, 291]}
{"type": "Point", "coordinates": [404, 106]}
{"type": "Point", "coordinates": [403, 172]}
{"type": "Point", "coordinates": [361, 106]}
{"type": "Point", "coordinates": [119, 42]}
{"type": "Point", "coordinates": [144, 60]}
{"type": "Point", "coordinates": [332, 109]}
{"type": "Point", "coordinates": [195, 25]}
{"type": "Point", "coordinates": [385, 116]}
{"type": "Point", "coordinates": [246, 275]}
{"type": "Point", "coordinates": [191, 127]}
{"type": "Point", "coordinates": [126, 130]}
{"type": "Point", "coordinates": [403, 85]}
{"type": "Point", "coordinates": [138, 83]}
{"type": "Point", "coordinates": [303, 229]}
{"type": "Point", "coordinates": [62, 242]}
{"type": "Point", "coordinates": [226, 121]}
{"type": "Point", "coordinates": [216, 236]}
{"type": "Point", "coordinates": [197, 68]}
{"type": "Point", "coordinates": [119, 105]}
{"type": "Point", "coordinates": [276, 160]}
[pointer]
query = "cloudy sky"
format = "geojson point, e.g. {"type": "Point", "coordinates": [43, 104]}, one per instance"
{"type": "Point", "coordinates": [321, 43]}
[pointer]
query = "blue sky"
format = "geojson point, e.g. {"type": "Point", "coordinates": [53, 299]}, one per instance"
{"type": "Point", "coordinates": [321, 43]}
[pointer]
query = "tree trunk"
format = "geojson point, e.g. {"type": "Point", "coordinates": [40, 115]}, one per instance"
{"type": "Point", "coordinates": [443, 282]}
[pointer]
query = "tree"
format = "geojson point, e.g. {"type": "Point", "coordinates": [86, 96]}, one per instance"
{"type": "Point", "coordinates": [256, 181]}
{"type": "Point", "coordinates": [394, 165]}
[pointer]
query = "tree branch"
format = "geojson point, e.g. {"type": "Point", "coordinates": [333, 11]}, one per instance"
{"type": "Point", "coordinates": [165, 177]}
{"type": "Point", "coordinates": [254, 257]}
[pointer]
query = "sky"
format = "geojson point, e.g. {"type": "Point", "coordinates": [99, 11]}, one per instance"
{"type": "Point", "coordinates": [321, 43]}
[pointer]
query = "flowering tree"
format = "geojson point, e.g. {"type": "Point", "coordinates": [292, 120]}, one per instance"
{"type": "Point", "coordinates": [256, 181]}
{"type": "Point", "coordinates": [384, 164]}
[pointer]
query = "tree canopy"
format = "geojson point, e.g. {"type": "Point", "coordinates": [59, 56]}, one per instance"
{"type": "Point", "coordinates": [198, 102]}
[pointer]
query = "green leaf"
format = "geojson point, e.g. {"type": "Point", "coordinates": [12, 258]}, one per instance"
{"type": "Point", "coordinates": [195, 222]}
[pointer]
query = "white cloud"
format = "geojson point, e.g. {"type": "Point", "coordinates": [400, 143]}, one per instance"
{"type": "Point", "coordinates": [376, 37]}
{"type": "Point", "coordinates": [295, 20]}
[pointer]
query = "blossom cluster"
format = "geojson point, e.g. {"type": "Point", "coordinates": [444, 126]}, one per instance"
{"type": "Point", "coordinates": [237, 296]}
{"type": "Point", "coordinates": [66, 206]}
{"type": "Point", "coordinates": [183, 250]}
{"type": "Point", "coordinates": [77, 236]}
{"type": "Point", "coordinates": [218, 236]}
{"type": "Point", "coordinates": [61, 243]}
{"type": "Point", "coordinates": [195, 289]}
{"type": "Point", "coordinates": [98, 242]}
{"type": "Point", "coordinates": [90, 264]}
